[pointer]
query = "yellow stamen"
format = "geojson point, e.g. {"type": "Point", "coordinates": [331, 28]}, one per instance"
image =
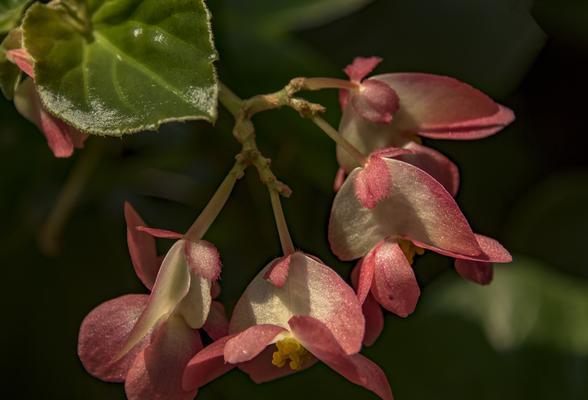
{"type": "Point", "coordinates": [410, 250]}
{"type": "Point", "coordinates": [290, 349]}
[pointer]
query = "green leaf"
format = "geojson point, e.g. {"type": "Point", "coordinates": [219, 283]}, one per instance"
{"type": "Point", "coordinates": [10, 13]}
{"type": "Point", "coordinates": [527, 304]}
{"type": "Point", "coordinates": [9, 72]}
{"type": "Point", "coordinates": [122, 66]}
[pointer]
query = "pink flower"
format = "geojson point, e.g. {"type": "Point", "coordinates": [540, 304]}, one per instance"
{"type": "Point", "coordinates": [412, 212]}
{"type": "Point", "coordinates": [431, 106]}
{"type": "Point", "coordinates": [308, 312]}
{"type": "Point", "coordinates": [146, 341]}
{"type": "Point", "coordinates": [61, 138]}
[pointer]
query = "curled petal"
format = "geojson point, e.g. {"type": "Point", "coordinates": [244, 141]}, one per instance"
{"type": "Point", "coordinates": [217, 323]}
{"type": "Point", "coordinates": [374, 320]}
{"type": "Point", "coordinates": [475, 271]}
{"type": "Point", "coordinates": [375, 101]}
{"type": "Point", "coordinates": [361, 67]}
{"type": "Point", "coordinates": [157, 371]}
{"type": "Point", "coordinates": [142, 248]}
{"type": "Point", "coordinates": [312, 289]}
{"type": "Point", "coordinates": [395, 286]}
{"type": "Point", "coordinates": [435, 164]}
{"type": "Point", "coordinates": [195, 305]}
{"type": "Point", "coordinates": [278, 272]}
{"type": "Point", "coordinates": [23, 60]}
{"type": "Point", "coordinates": [365, 270]}
{"type": "Point", "coordinates": [251, 342]}
{"type": "Point", "coordinates": [417, 207]}
{"type": "Point", "coordinates": [319, 340]}
{"type": "Point", "coordinates": [442, 107]}
{"type": "Point", "coordinates": [160, 233]}
{"type": "Point", "coordinates": [103, 333]}
{"type": "Point", "coordinates": [372, 183]}
{"type": "Point", "coordinates": [492, 251]}
{"type": "Point", "coordinates": [207, 365]}
{"type": "Point", "coordinates": [171, 286]}
{"type": "Point", "coordinates": [203, 258]}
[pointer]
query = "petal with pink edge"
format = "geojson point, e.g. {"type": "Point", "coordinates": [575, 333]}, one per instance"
{"type": "Point", "coordinates": [365, 272]}
{"type": "Point", "coordinates": [103, 333]}
{"type": "Point", "coordinates": [23, 60]}
{"type": "Point", "coordinates": [360, 67]}
{"type": "Point", "coordinates": [319, 340]}
{"type": "Point", "coordinates": [157, 371]}
{"type": "Point", "coordinates": [417, 207]}
{"type": "Point", "coordinates": [475, 271]}
{"type": "Point", "coordinates": [443, 107]}
{"type": "Point", "coordinates": [207, 365]}
{"type": "Point", "coordinates": [160, 233]}
{"type": "Point", "coordinates": [217, 323]}
{"type": "Point", "coordinates": [372, 183]}
{"type": "Point", "coordinates": [203, 258]}
{"type": "Point", "coordinates": [395, 286]}
{"type": "Point", "coordinates": [312, 289]}
{"type": "Point", "coordinates": [374, 320]}
{"type": "Point", "coordinates": [278, 272]}
{"type": "Point", "coordinates": [435, 164]}
{"type": "Point", "coordinates": [170, 288]}
{"type": "Point", "coordinates": [251, 342]}
{"type": "Point", "coordinates": [142, 248]}
{"type": "Point", "coordinates": [492, 251]}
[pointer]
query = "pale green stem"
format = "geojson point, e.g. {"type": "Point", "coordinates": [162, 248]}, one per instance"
{"type": "Point", "coordinates": [50, 235]}
{"type": "Point", "coordinates": [283, 233]}
{"type": "Point", "coordinates": [215, 204]}
{"type": "Point", "coordinates": [328, 83]}
{"type": "Point", "coordinates": [359, 158]}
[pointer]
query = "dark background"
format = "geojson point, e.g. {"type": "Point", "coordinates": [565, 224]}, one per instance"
{"type": "Point", "coordinates": [525, 336]}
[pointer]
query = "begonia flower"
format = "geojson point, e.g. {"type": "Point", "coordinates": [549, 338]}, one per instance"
{"type": "Point", "coordinates": [295, 311]}
{"type": "Point", "coordinates": [431, 106]}
{"type": "Point", "coordinates": [413, 212]}
{"type": "Point", "coordinates": [61, 138]}
{"type": "Point", "coordinates": [146, 341]}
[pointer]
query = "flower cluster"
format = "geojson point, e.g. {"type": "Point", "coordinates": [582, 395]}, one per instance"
{"type": "Point", "coordinates": [393, 202]}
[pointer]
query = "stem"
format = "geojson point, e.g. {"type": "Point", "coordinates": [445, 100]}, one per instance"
{"type": "Point", "coordinates": [216, 203]}
{"type": "Point", "coordinates": [327, 83]}
{"type": "Point", "coordinates": [340, 140]}
{"type": "Point", "coordinates": [229, 99]}
{"type": "Point", "coordinates": [50, 235]}
{"type": "Point", "coordinates": [283, 233]}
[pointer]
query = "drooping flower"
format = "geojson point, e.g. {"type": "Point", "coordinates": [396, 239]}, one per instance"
{"type": "Point", "coordinates": [431, 106]}
{"type": "Point", "coordinates": [415, 212]}
{"type": "Point", "coordinates": [61, 138]}
{"type": "Point", "coordinates": [295, 312]}
{"type": "Point", "coordinates": [146, 341]}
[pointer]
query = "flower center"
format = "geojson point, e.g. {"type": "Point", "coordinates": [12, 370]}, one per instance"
{"type": "Point", "coordinates": [410, 250]}
{"type": "Point", "coordinates": [290, 349]}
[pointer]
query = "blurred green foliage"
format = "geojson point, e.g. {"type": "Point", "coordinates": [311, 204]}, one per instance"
{"type": "Point", "coordinates": [525, 186]}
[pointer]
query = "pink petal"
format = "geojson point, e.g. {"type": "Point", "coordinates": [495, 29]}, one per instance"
{"type": "Point", "coordinates": [195, 305]}
{"type": "Point", "coordinates": [475, 271]}
{"type": "Point", "coordinates": [361, 67]}
{"type": "Point", "coordinates": [492, 251]}
{"type": "Point", "coordinates": [160, 233]}
{"type": "Point", "coordinates": [170, 288]}
{"type": "Point", "coordinates": [435, 164]}
{"type": "Point", "coordinates": [142, 248]}
{"type": "Point", "coordinates": [374, 320]}
{"type": "Point", "coordinates": [103, 333]}
{"type": "Point", "coordinates": [375, 101]}
{"type": "Point", "coordinates": [395, 286]}
{"type": "Point", "coordinates": [442, 107]}
{"type": "Point", "coordinates": [217, 323]}
{"type": "Point", "coordinates": [339, 179]}
{"type": "Point", "coordinates": [319, 340]}
{"type": "Point", "coordinates": [372, 183]}
{"type": "Point", "coordinates": [251, 342]}
{"type": "Point", "coordinates": [261, 369]}
{"type": "Point", "coordinates": [203, 258]}
{"type": "Point", "coordinates": [23, 60]}
{"type": "Point", "coordinates": [157, 371]}
{"type": "Point", "coordinates": [343, 98]}
{"type": "Point", "coordinates": [278, 272]}
{"type": "Point", "coordinates": [312, 289]}
{"type": "Point", "coordinates": [207, 365]}
{"type": "Point", "coordinates": [417, 206]}
{"type": "Point", "coordinates": [366, 269]}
